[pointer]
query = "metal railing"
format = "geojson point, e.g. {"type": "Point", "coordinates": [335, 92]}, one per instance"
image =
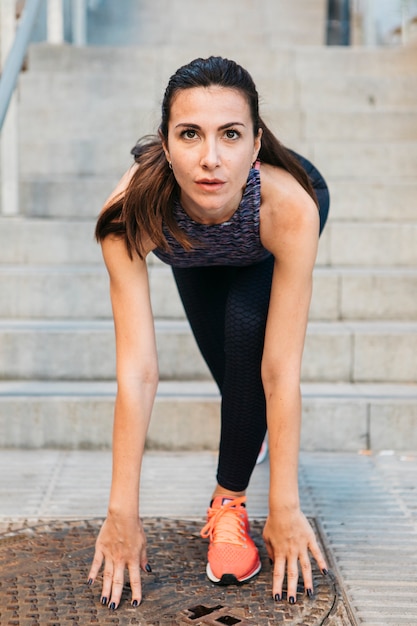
{"type": "Point", "coordinates": [16, 56]}
{"type": "Point", "coordinates": [13, 46]}
{"type": "Point", "coordinates": [14, 43]}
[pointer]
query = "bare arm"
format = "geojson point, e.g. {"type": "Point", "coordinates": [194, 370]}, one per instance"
{"type": "Point", "coordinates": [290, 231]}
{"type": "Point", "coordinates": [121, 542]}
{"type": "Point", "coordinates": [136, 370]}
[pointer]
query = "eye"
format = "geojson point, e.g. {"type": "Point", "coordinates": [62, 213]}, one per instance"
{"type": "Point", "coordinates": [231, 133]}
{"type": "Point", "coordinates": [189, 133]}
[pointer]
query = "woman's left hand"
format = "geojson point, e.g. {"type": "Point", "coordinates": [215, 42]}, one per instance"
{"type": "Point", "coordinates": [289, 538]}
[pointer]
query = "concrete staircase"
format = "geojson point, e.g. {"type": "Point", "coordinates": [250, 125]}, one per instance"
{"type": "Point", "coordinates": [352, 111]}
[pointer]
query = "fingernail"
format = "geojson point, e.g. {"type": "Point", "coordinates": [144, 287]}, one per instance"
{"type": "Point", "coordinates": [104, 600]}
{"type": "Point", "coordinates": [277, 597]}
{"type": "Point", "coordinates": [292, 600]}
{"type": "Point", "coordinates": [148, 568]}
{"type": "Point", "coordinates": [90, 582]}
{"type": "Point", "coordinates": [310, 593]}
{"type": "Point", "coordinates": [112, 606]}
{"type": "Point", "coordinates": [324, 571]}
{"type": "Point", "coordinates": [135, 603]}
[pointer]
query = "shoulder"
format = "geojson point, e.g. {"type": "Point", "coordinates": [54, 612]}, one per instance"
{"type": "Point", "coordinates": [288, 213]}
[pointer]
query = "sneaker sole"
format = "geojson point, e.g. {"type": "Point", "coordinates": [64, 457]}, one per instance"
{"type": "Point", "coordinates": [230, 579]}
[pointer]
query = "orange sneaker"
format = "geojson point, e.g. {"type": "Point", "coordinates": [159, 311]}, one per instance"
{"type": "Point", "coordinates": [233, 557]}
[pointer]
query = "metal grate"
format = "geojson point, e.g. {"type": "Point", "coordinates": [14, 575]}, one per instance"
{"type": "Point", "coordinates": [43, 572]}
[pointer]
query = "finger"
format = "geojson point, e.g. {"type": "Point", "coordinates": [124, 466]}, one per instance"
{"type": "Point", "coordinates": [107, 582]}
{"type": "Point", "coordinates": [307, 574]}
{"type": "Point", "coordinates": [318, 556]}
{"type": "Point", "coordinates": [278, 579]}
{"type": "Point", "coordinates": [117, 587]}
{"type": "Point", "coordinates": [269, 550]}
{"type": "Point", "coordinates": [144, 561]}
{"type": "Point", "coordinates": [292, 580]}
{"type": "Point", "coordinates": [95, 566]}
{"type": "Point", "coordinates": [135, 584]}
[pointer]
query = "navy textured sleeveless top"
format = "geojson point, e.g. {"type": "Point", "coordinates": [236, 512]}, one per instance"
{"type": "Point", "coordinates": [236, 242]}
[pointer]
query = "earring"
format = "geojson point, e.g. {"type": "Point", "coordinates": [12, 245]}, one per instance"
{"type": "Point", "coordinates": [170, 165]}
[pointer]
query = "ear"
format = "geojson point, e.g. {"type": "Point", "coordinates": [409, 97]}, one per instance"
{"type": "Point", "coordinates": [164, 146]}
{"type": "Point", "coordinates": [257, 145]}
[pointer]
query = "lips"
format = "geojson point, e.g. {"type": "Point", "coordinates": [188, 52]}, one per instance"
{"type": "Point", "coordinates": [210, 184]}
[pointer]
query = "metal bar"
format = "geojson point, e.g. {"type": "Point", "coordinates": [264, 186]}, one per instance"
{"type": "Point", "coordinates": [16, 56]}
{"type": "Point", "coordinates": [405, 21]}
{"type": "Point", "coordinates": [55, 21]}
{"type": "Point", "coordinates": [369, 23]}
{"type": "Point", "coordinates": [79, 22]}
{"type": "Point", "coordinates": [9, 137]}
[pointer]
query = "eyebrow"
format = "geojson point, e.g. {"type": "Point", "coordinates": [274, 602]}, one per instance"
{"type": "Point", "coordinates": [222, 127]}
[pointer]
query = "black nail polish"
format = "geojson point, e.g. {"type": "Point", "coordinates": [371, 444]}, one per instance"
{"type": "Point", "coordinates": [324, 571]}
{"type": "Point", "coordinates": [291, 600]}
{"type": "Point", "coordinates": [148, 568]}
{"type": "Point", "coordinates": [135, 603]}
{"type": "Point", "coordinates": [104, 600]}
{"type": "Point", "coordinates": [112, 606]}
{"type": "Point", "coordinates": [90, 582]}
{"type": "Point", "coordinates": [309, 593]}
{"type": "Point", "coordinates": [277, 597]}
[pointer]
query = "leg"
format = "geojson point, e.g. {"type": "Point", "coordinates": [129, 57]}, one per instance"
{"type": "Point", "coordinates": [204, 292]}
{"type": "Point", "coordinates": [227, 310]}
{"type": "Point", "coordinates": [243, 399]}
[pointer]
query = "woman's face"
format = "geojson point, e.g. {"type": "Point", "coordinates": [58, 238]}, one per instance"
{"type": "Point", "coordinates": [211, 146]}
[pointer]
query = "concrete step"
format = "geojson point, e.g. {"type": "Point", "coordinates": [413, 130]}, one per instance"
{"type": "Point", "coordinates": [339, 124]}
{"type": "Point", "coordinates": [82, 292]}
{"type": "Point", "coordinates": [157, 61]}
{"type": "Point", "coordinates": [72, 121]}
{"type": "Point", "coordinates": [334, 351]}
{"type": "Point", "coordinates": [44, 242]}
{"type": "Point", "coordinates": [337, 417]}
{"type": "Point", "coordinates": [369, 200]}
{"type": "Point", "coordinates": [305, 62]}
{"type": "Point", "coordinates": [362, 160]}
{"type": "Point", "coordinates": [375, 199]}
{"type": "Point", "coordinates": [369, 244]}
{"type": "Point", "coordinates": [65, 197]}
{"type": "Point", "coordinates": [76, 121]}
{"type": "Point", "coordinates": [346, 61]}
{"type": "Point", "coordinates": [105, 156]}
{"type": "Point", "coordinates": [40, 242]}
{"type": "Point", "coordinates": [277, 87]}
{"type": "Point", "coordinates": [356, 90]}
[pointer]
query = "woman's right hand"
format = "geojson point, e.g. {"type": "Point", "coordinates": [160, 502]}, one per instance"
{"type": "Point", "coordinates": [121, 544]}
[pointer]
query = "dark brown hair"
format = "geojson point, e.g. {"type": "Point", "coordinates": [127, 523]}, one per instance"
{"type": "Point", "coordinates": [146, 205]}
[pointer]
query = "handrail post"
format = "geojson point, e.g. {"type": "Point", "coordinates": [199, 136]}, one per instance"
{"type": "Point", "coordinates": [55, 21]}
{"type": "Point", "coordinates": [405, 21]}
{"type": "Point", "coordinates": [9, 135]}
{"type": "Point", "coordinates": [79, 22]}
{"type": "Point", "coordinates": [369, 23]}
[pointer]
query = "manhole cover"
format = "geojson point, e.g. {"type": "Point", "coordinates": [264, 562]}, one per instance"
{"type": "Point", "coordinates": [43, 572]}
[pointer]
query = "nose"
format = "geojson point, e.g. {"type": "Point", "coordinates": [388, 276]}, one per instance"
{"type": "Point", "coordinates": [210, 156]}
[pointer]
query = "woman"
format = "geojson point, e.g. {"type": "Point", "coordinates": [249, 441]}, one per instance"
{"type": "Point", "coordinates": [235, 214]}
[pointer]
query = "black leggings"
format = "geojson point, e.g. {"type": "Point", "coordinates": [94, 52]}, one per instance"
{"type": "Point", "coordinates": [227, 309]}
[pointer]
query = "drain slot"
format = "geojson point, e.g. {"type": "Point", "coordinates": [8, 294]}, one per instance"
{"type": "Point", "coordinates": [201, 610]}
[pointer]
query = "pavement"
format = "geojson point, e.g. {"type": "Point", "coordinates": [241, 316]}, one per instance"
{"type": "Point", "coordinates": [364, 505]}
